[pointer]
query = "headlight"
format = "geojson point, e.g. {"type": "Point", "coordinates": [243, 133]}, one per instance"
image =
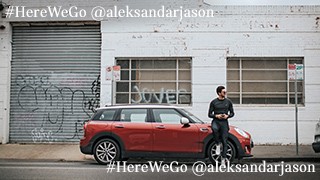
{"type": "Point", "coordinates": [241, 132]}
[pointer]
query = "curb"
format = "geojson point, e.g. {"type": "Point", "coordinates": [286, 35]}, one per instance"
{"type": "Point", "coordinates": [279, 159]}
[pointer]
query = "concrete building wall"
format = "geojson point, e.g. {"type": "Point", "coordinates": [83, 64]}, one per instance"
{"type": "Point", "coordinates": [5, 56]}
{"type": "Point", "coordinates": [249, 32]}
{"type": "Point", "coordinates": [234, 31]}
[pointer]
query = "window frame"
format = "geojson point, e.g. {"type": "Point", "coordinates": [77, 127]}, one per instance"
{"type": "Point", "coordinates": [162, 109]}
{"type": "Point", "coordinates": [289, 94]}
{"type": "Point", "coordinates": [125, 109]}
{"type": "Point", "coordinates": [178, 82]}
{"type": "Point", "coordinates": [97, 115]}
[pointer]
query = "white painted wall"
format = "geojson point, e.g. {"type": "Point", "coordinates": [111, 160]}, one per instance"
{"type": "Point", "coordinates": [273, 31]}
{"type": "Point", "coordinates": [5, 57]}
{"type": "Point", "coordinates": [283, 32]}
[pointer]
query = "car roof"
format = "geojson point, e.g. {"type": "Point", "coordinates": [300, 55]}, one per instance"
{"type": "Point", "coordinates": [138, 106]}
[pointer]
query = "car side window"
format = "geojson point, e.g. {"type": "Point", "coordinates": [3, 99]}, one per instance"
{"type": "Point", "coordinates": [167, 116]}
{"type": "Point", "coordinates": [133, 115]}
{"type": "Point", "coordinates": [105, 115]}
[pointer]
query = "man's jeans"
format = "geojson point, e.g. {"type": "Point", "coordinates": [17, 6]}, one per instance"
{"type": "Point", "coordinates": [220, 129]}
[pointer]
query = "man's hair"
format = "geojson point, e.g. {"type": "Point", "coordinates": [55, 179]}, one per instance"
{"type": "Point", "coordinates": [219, 89]}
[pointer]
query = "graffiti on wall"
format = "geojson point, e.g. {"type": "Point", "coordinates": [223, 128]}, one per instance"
{"type": "Point", "coordinates": [146, 95]}
{"type": "Point", "coordinates": [94, 102]}
{"type": "Point", "coordinates": [60, 109]}
{"type": "Point", "coordinates": [40, 135]}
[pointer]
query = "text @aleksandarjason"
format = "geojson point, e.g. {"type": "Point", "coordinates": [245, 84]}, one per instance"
{"type": "Point", "coordinates": [99, 13]}
{"type": "Point", "coordinates": [200, 168]}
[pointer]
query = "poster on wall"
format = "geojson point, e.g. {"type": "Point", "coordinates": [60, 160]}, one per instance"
{"type": "Point", "coordinates": [113, 73]}
{"type": "Point", "coordinates": [116, 73]}
{"type": "Point", "coordinates": [109, 73]}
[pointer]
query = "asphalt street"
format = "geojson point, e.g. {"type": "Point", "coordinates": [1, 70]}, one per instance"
{"type": "Point", "coordinates": [15, 169]}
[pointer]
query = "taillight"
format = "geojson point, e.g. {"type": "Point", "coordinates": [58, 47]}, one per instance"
{"type": "Point", "coordinates": [84, 128]}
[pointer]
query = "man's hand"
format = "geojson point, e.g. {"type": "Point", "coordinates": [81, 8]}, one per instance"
{"type": "Point", "coordinates": [222, 116]}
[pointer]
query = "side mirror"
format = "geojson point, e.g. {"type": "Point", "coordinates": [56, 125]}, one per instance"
{"type": "Point", "coordinates": [184, 121]}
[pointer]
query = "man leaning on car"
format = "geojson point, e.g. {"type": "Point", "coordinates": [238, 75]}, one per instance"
{"type": "Point", "coordinates": [220, 110]}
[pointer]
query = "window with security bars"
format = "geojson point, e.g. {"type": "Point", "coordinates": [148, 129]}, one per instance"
{"type": "Point", "coordinates": [262, 81]}
{"type": "Point", "coordinates": [154, 80]}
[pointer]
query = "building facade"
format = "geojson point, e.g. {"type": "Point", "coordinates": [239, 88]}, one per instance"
{"type": "Point", "coordinates": [55, 70]}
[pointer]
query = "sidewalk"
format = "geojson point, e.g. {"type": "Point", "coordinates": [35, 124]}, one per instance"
{"type": "Point", "coordinates": [284, 153]}
{"type": "Point", "coordinates": [71, 152]}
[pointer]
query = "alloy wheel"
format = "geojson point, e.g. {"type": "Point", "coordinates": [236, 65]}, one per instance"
{"type": "Point", "coordinates": [106, 151]}
{"type": "Point", "coordinates": [217, 158]}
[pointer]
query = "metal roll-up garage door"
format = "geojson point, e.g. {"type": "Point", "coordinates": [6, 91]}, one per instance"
{"type": "Point", "coordinates": [55, 81]}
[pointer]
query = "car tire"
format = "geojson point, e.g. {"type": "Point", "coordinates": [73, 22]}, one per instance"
{"type": "Point", "coordinates": [106, 151]}
{"type": "Point", "coordinates": [231, 153]}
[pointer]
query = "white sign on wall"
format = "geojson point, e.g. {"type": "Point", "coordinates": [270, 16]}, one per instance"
{"type": "Point", "coordinates": [295, 70]}
{"type": "Point", "coordinates": [113, 73]}
{"type": "Point", "coordinates": [116, 73]}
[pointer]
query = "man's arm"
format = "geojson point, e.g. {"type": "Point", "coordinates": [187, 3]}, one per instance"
{"type": "Point", "coordinates": [211, 109]}
{"type": "Point", "coordinates": [231, 112]}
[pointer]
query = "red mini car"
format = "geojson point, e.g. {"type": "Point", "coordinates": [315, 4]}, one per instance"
{"type": "Point", "coordinates": [121, 132]}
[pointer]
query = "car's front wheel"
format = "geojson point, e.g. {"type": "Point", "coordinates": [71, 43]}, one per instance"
{"type": "Point", "coordinates": [214, 158]}
{"type": "Point", "coordinates": [106, 150]}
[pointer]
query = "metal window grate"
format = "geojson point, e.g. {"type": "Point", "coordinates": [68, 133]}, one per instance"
{"type": "Point", "coordinates": [262, 81]}
{"type": "Point", "coordinates": [154, 80]}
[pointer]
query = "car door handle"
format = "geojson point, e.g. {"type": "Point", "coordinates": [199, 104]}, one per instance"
{"type": "Point", "coordinates": [204, 129]}
{"type": "Point", "coordinates": [119, 126]}
{"type": "Point", "coordinates": [160, 127]}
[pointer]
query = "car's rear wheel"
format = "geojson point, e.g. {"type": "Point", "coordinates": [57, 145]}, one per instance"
{"type": "Point", "coordinates": [106, 150]}
{"type": "Point", "coordinates": [214, 158]}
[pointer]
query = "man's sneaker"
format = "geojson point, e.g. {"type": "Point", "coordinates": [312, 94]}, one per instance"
{"type": "Point", "coordinates": [218, 149]}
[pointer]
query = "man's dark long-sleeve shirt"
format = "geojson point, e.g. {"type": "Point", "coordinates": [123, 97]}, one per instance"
{"type": "Point", "coordinates": [218, 106]}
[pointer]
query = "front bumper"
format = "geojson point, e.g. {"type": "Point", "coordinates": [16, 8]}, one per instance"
{"type": "Point", "coordinates": [245, 148]}
{"type": "Point", "coordinates": [248, 149]}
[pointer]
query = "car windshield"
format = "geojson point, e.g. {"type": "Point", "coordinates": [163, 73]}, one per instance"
{"type": "Point", "coordinates": [193, 117]}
